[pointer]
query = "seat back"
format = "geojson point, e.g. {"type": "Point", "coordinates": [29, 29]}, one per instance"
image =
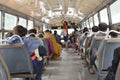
{"type": "Point", "coordinates": [98, 37]}
{"type": "Point", "coordinates": [97, 42]}
{"type": "Point", "coordinates": [4, 72]}
{"type": "Point", "coordinates": [110, 46]}
{"type": "Point", "coordinates": [17, 58]}
{"type": "Point", "coordinates": [95, 45]}
{"type": "Point", "coordinates": [98, 54]}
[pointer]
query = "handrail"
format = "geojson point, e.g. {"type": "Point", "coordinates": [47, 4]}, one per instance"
{"type": "Point", "coordinates": [5, 68]}
{"type": "Point", "coordinates": [18, 37]}
{"type": "Point", "coordinates": [110, 32]}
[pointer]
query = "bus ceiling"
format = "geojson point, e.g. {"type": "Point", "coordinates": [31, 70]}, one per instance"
{"type": "Point", "coordinates": [54, 11]}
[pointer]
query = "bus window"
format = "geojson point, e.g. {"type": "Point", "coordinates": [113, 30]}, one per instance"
{"type": "Point", "coordinates": [0, 20]}
{"type": "Point", "coordinates": [30, 25]}
{"type": "Point", "coordinates": [70, 31]}
{"type": "Point", "coordinates": [0, 35]}
{"type": "Point", "coordinates": [115, 12]}
{"type": "Point", "coordinates": [104, 16]}
{"type": "Point", "coordinates": [82, 24]}
{"type": "Point", "coordinates": [10, 21]}
{"type": "Point", "coordinates": [96, 21]}
{"type": "Point", "coordinates": [22, 22]}
{"type": "Point", "coordinates": [87, 24]}
{"type": "Point", "coordinates": [91, 22]}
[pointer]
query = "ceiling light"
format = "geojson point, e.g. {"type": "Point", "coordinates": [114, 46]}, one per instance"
{"type": "Point", "coordinates": [21, 2]}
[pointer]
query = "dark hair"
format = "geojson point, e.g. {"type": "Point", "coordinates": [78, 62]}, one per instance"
{"type": "Point", "coordinates": [55, 32]}
{"type": "Point", "coordinates": [85, 29]}
{"type": "Point", "coordinates": [32, 31]}
{"type": "Point", "coordinates": [50, 31]}
{"type": "Point", "coordinates": [102, 26]}
{"type": "Point", "coordinates": [114, 27]}
{"type": "Point", "coordinates": [20, 30]}
{"type": "Point", "coordinates": [113, 34]}
{"type": "Point", "coordinates": [94, 28]}
{"type": "Point", "coordinates": [66, 22]}
{"type": "Point", "coordinates": [47, 31]}
{"type": "Point", "coordinates": [40, 35]}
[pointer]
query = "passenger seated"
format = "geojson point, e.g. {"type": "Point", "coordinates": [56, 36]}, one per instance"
{"type": "Point", "coordinates": [83, 41]}
{"type": "Point", "coordinates": [32, 37]}
{"type": "Point", "coordinates": [40, 37]}
{"type": "Point", "coordinates": [88, 43]}
{"type": "Point", "coordinates": [41, 49]}
{"type": "Point", "coordinates": [21, 31]}
{"type": "Point", "coordinates": [56, 47]}
{"type": "Point", "coordinates": [102, 29]}
{"type": "Point", "coordinates": [94, 30]}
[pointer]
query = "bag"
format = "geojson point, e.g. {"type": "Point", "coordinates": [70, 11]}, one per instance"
{"type": "Point", "coordinates": [39, 58]}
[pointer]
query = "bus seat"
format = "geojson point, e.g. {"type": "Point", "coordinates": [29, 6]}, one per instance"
{"type": "Point", "coordinates": [98, 54]}
{"type": "Point", "coordinates": [4, 72]}
{"type": "Point", "coordinates": [110, 46]}
{"type": "Point", "coordinates": [106, 55]}
{"type": "Point", "coordinates": [96, 43]}
{"type": "Point", "coordinates": [17, 58]}
{"type": "Point", "coordinates": [117, 76]}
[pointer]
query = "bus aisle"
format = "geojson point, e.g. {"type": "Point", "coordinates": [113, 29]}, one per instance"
{"type": "Point", "coordinates": [70, 67]}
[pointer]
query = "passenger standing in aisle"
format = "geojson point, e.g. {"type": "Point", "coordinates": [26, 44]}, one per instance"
{"type": "Point", "coordinates": [65, 33]}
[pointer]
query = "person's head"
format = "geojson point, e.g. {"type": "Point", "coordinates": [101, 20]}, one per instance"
{"type": "Point", "coordinates": [47, 31]}
{"type": "Point", "coordinates": [113, 34]}
{"type": "Point", "coordinates": [103, 26]}
{"type": "Point", "coordinates": [55, 32]}
{"type": "Point", "coordinates": [94, 29]}
{"type": "Point", "coordinates": [114, 27]}
{"type": "Point", "coordinates": [66, 22]}
{"type": "Point", "coordinates": [40, 35]}
{"type": "Point", "coordinates": [9, 34]}
{"type": "Point", "coordinates": [32, 31]}
{"type": "Point", "coordinates": [20, 30]}
{"type": "Point", "coordinates": [85, 29]}
{"type": "Point", "coordinates": [50, 31]}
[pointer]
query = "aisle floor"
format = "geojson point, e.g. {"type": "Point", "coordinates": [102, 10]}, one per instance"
{"type": "Point", "coordinates": [68, 68]}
